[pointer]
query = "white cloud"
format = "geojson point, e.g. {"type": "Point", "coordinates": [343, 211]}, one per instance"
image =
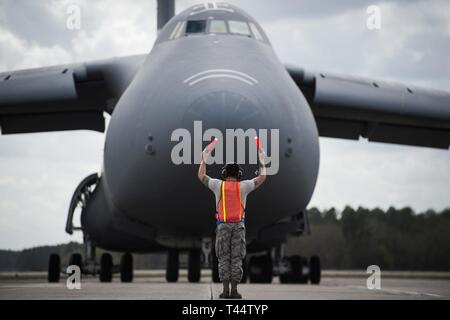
{"type": "Point", "coordinates": [43, 169]}
{"type": "Point", "coordinates": [380, 175]}
{"type": "Point", "coordinates": [44, 189]}
{"type": "Point", "coordinates": [42, 173]}
{"type": "Point", "coordinates": [122, 30]}
{"type": "Point", "coordinates": [16, 53]}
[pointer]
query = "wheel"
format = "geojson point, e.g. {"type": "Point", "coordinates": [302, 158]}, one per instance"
{"type": "Point", "coordinates": [286, 277]}
{"type": "Point", "coordinates": [194, 265]}
{"type": "Point", "coordinates": [76, 260]}
{"type": "Point", "coordinates": [106, 266]}
{"type": "Point", "coordinates": [215, 269]}
{"type": "Point", "coordinates": [172, 265]}
{"type": "Point", "coordinates": [297, 264]}
{"type": "Point", "coordinates": [126, 268]}
{"type": "Point", "coordinates": [297, 274]}
{"type": "Point", "coordinates": [315, 270]}
{"type": "Point", "coordinates": [244, 272]}
{"type": "Point", "coordinates": [304, 273]}
{"type": "Point", "coordinates": [260, 269]}
{"type": "Point", "coordinates": [54, 268]}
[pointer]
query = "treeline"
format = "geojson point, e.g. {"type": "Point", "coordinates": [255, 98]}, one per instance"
{"type": "Point", "coordinates": [396, 239]}
{"type": "Point", "coordinates": [36, 259]}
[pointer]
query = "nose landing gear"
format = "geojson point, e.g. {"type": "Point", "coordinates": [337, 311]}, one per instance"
{"type": "Point", "coordinates": [172, 266]}
{"type": "Point", "coordinates": [126, 268]}
{"type": "Point", "coordinates": [106, 268]}
{"type": "Point", "coordinates": [197, 258]}
{"type": "Point", "coordinates": [194, 265]}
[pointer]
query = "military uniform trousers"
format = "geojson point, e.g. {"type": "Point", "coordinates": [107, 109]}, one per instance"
{"type": "Point", "coordinates": [230, 250]}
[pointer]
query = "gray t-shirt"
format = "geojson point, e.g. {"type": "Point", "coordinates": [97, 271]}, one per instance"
{"type": "Point", "coordinates": [246, 187]}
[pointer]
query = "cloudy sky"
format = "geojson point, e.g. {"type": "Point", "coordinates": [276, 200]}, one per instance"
{"type": "Point", "coordinates": [39, 172]}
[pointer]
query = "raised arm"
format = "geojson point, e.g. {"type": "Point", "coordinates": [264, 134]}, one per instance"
{"type": "Point", "coordinates": [202, 176]}
{"type": "Point", "coordinates": [259, 180]}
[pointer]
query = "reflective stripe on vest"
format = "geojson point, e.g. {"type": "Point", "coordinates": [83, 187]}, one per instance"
{"type": "Point", "coordinates": [230, 207]}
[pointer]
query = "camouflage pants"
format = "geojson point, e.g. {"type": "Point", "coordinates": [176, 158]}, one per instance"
{"type": "Point", "coordinates": [230, 250]}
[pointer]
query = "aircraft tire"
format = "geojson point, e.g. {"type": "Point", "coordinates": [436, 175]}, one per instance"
{"type": "Point", "coordinates": [260, 269]}
{"type": "Point", "coordinates": [194, 265]}
{"type": "Point", "coordinates": [296, 275]}
{"type": "Point", "coordinates": [106, 266]}
{"type": "Point", "coordinates": [215, 268]}
{"type": "Point", "coordinates": [77, 260]}
{"type": "Point", "coordinates": [126, 268]}
{"type": "Point", "coordinates": [54, 268]}
{"type": "Point", "coordinates": [315, 270]}
{"type": "Point", "coordinates": [244, 272]}
{"type": "Point", "coordinates": [172, 265]}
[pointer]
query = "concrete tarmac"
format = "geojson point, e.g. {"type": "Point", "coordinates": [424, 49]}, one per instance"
{"type": "Point", "coordinates": [334, 288]}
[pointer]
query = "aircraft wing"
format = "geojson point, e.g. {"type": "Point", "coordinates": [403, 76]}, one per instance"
{"type": "Point", "coordinates": [64, 97]}
{"type": "Point", "coordinates": [350, 107]}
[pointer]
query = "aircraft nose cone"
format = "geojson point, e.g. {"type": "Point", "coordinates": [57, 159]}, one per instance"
{"type": "Point", "coordinates": [225, 110]}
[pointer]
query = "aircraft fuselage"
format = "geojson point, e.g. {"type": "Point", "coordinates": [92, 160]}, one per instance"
{"type": "Point", "coordinates": [225, 81]}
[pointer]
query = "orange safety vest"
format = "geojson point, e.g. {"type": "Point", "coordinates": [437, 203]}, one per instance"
{"type": "Point", "coordinates": [230, 207]}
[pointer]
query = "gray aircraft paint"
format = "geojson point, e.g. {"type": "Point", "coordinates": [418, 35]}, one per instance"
{"type": "Point", "coordinates": [152, 191]}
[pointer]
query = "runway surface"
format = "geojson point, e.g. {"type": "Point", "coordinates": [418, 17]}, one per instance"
{"type": "Point", "coordinates": [156, 288]}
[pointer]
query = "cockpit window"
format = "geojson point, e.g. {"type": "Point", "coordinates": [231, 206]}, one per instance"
{"type": "Point", "coordinates": [213, 26]}
{"type": "Point", "coordinates": [195, 26]}
{"type": "Point", "coordinates": [178, 30]}
{"type": "Point", "coordinates": [239, 27]}
{"type": "Point", "coordinates": [217, 26]}
{"type": "Point", "coordinates": [256, 32]}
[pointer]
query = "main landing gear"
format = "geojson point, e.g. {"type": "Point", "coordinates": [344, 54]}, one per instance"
{"type": "Point", "coordinates": [89, 266]}
{"type": "Point", "coordinates": [289, 269]}
{"type": "Point", "coordinates": [296, 268]}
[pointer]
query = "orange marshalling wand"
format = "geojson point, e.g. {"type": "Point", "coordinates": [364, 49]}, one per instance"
{"type": "Point", "coordinates": [212, 144]}
{"type": "Point", "coordinates": [258, 145]}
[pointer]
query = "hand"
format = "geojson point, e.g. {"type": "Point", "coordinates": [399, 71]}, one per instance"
{"type": "Point", "coordinates": [205, 154]}
{"type": "Point", "coordinates": [261, 157]}
{"type": "Point", "coordinates": [261, 154]}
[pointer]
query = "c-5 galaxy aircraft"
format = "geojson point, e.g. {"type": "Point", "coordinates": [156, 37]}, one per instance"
{"type": "Point", "coordinates": [212, 63]}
